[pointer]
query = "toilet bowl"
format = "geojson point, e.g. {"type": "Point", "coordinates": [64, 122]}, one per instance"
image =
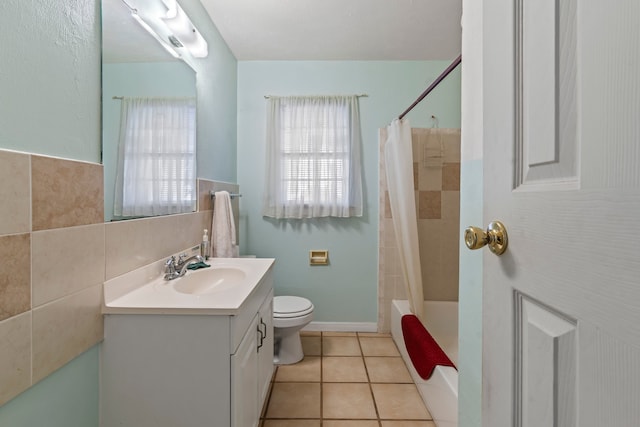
{"type": "Point", "coordinates": [290, 314]}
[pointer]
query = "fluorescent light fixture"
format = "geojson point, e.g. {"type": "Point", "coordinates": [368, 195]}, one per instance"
{"type": "Point", "coordinates": [184, 31]}
{"type": "Point", "coordinates": [134, 14]}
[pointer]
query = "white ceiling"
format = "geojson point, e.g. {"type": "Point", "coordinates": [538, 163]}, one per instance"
{"type": "Point", "coordinates": [339, 29]}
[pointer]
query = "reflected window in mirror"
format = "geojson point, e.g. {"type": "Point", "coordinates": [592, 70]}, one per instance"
{"type": "Point", "coordinates": [156, 166]}
{"type": "Point", "coordinates": [134, 65]}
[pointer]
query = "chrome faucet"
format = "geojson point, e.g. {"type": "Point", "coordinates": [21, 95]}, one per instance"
{"type": "Point", "coordinates": [174, 269]}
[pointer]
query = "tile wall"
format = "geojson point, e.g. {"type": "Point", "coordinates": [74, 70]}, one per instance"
{"type": "Point", "coordinates": [436, 171]}
{"type": "Point", "coordinates": [56, 253]}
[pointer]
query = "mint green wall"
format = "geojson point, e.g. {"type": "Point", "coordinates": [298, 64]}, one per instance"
{"type": "Point", "coordinates": [134, 79]}
{"type": "Point", "coordinates": [471, 205]}
{"type": "Point", "coordinates": [216, 77]}
{"type": "Point", "coordinates": [346, 290]}
{"type": "Point", "coordinates": [470, 301]}
{"type": "Point", "coordinates": [50, 78]}
{"type": "Point", "coordinates": [67, 398]}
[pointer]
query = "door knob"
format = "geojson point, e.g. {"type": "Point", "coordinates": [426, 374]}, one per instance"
{"type": "Point", "coordinates": [495, 237]}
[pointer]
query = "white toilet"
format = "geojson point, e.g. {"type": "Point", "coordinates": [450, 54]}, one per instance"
{"type": "Point", "coordinates": [290, 314]}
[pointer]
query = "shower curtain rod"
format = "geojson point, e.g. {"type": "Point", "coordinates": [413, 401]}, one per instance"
{"type": "Point", "coordinates": [435, 83]}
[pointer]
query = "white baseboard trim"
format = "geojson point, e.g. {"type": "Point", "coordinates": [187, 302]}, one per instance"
{"type": "Point", "coordinates": [342, 327]}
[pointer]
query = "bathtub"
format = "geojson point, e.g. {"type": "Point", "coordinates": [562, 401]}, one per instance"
{"type": "Point", "coordinates": [440, 392]}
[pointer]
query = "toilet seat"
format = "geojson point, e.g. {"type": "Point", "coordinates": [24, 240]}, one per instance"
{"type": "Point", "coordinates": [290, 306]}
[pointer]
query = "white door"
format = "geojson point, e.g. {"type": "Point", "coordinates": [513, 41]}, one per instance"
{"type": "Point", "coordinates": [561, 307]}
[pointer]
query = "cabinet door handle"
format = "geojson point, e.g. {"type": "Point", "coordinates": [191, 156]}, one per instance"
{"type": "Point", "coordinates": [264, 334]}
{"type": "Point", "coordinates": [261, 337]}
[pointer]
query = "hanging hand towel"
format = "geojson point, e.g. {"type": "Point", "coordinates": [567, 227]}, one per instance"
{"type": "Point", "coordinates": [223, 229]}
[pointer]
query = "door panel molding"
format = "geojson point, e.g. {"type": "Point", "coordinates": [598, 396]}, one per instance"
{"type": "Point", "coordinates": [545, 386]}
{"type": "Point", "coordinates": [546, 126]}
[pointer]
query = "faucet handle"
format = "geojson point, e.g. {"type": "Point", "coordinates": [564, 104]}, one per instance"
{"type": "Point", "coordinates": [170, 265]}
{"type": "Point", "coordinates": [181, 258]}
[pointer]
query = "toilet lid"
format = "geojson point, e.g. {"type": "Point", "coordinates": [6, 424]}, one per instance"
{"type": "Point", "coordinates": [288, 306]}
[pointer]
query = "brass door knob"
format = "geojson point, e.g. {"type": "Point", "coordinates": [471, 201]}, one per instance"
{"type": "Point", "coordinates": [495, 237]}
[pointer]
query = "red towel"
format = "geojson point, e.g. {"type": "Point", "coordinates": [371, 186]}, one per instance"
{"type": "Point", "coordinates": [424, 351]}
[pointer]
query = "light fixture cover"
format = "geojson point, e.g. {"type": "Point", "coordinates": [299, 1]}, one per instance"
{"type": "Point", "coordinates": [147, 27]}
{"type": "Point", "coordinates": [180, 25]}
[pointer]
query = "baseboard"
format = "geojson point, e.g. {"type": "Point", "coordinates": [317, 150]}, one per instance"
{"type": "Point", "coordinates": [342, 327]}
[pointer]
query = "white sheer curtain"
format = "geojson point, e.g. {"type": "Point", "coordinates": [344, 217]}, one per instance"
{"type": "Point", "coordinates": [398, 156]}
{"type": "Point", "coordinates": [313, 157]}
{"type": "Point", "coordinates": [156, 170]}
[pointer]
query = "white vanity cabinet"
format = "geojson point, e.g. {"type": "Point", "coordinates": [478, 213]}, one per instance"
{"type": "Point", "coordinates": [181, 368]}
{"type": "Point", "coordinates": [252, 368]}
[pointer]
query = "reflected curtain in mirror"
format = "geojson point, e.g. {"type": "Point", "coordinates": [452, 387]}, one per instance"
{"type": "Point", "coordinates": [156, 167]}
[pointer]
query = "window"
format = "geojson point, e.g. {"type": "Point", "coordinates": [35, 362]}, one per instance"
{"type": "Point", "coordinates": [313, 157]}
{"type": "Point", "coordinates": [156, 157]}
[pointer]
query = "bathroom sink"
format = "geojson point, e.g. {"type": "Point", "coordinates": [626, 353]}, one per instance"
{"type": "Point", "coordinates": [210, 280]}
{"type": "Point", "coordinates": [222, 288]}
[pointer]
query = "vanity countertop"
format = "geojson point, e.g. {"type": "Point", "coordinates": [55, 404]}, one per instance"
{"type": "Point", "coordinates": [144, 291]}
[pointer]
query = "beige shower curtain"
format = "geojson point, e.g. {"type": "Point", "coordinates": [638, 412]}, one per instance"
{"type": "Point", "coordinates": [397, 149]}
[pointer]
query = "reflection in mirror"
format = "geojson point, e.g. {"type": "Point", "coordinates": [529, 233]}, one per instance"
{"type": "Point", "coordinates": [146, 93]}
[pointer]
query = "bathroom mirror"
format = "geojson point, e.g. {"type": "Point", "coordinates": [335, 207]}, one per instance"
{"type": "Point", "coordinates": [134, 65]}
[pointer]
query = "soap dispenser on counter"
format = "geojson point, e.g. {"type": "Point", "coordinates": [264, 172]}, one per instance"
{"type": "Point", "coordinates": [204, 245]}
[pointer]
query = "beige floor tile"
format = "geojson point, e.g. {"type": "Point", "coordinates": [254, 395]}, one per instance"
{"type": "Point", "coordinates": [374, 334]}
{"type": "Point", "coordinates": [340, 346]}
{"type": "Point", "coordinates": [343, 400]}
{"type": "Point", "coordinates": [343, 370]}
{"type": "Point", "coordinates": [310, 333]}
{"type": "Point", "coordinates": [307, 370]}
{"type": "Point", "coordinates": [311, 345]}
{"type": "Point", "coordinates": [294, 400]}
{"type": "Point", "coordinates": [339, 334]}
{"type": "Point", "coordinates": [349, 423]}
{"type": "Point", "coordinates": [387, 370]}
{"type": "Point", "coordinates": [291, 423]}
{"type": "Point", "coordinates": [408, 424]}
{"type": "Point", "coordinates": [399, 401]}
{"type": "Point", "coordinates": [378, 347]}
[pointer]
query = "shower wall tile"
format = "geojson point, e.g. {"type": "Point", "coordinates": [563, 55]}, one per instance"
{"type": "Point", "coordinates": [65, 193]}
{"type": "Point", "coordinates": [15, 356]}
{"type": "Point", "coordinates": [436, 157]}
{"type": "Point", "coordinates": [451, 176]}
{"type": "Point", "coordinates": [451, 144]}
{"type": "Point", "coordinates": [64, 329]}
{"type": "Point", "coordinates": [76, 263]}
{"type": "Point", "coordinates": [430, 178]}
{"type": "Point", "coordinates": [15, 275]}
{"type": "Point", "coordinates": [15, 192]}
{"type": "Point", "coordinates": [430, 205]}
{"type": "Point", "coordinates": [451, 207]}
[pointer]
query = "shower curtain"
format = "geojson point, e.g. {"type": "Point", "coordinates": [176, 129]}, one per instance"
{"type": "Point", "coordinates": [398, 157]}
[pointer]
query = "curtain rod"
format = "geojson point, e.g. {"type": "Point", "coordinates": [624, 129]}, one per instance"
{"type": "Point", "coordinates": [361, 95]}
{"type": "Point", "coordinates": [435, 83]}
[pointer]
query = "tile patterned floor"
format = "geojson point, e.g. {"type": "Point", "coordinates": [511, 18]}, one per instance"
{"type": "Point", "coordinates": [345, 380]}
